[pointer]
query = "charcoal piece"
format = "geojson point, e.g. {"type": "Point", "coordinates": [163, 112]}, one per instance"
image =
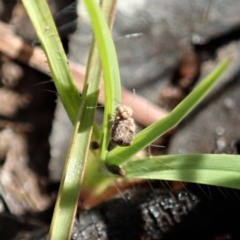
{"type": "Point", "coordinates": [90, 226]}
{"type": "Point", "coordinates": [145, 215]}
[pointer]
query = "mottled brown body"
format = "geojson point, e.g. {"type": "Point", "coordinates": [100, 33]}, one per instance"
{"type": "Point", "coordinates": [123, 128]}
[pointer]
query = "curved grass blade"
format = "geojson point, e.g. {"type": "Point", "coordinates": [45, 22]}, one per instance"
{"type": "Point", "coordinates": [45, 28]}
{"type": "Point", "coordinates": [110, 68]}
{"type": "Point", "coordinates": [119, 155]}
{"type": "Point", "coordinates": [213, 169]}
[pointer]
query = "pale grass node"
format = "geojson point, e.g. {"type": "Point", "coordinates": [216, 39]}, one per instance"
{"type": "Point", "coordinates": [51, 34]}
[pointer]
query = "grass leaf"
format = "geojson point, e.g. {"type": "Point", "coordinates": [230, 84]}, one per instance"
{"type": "Point", "coordinates": [214, 169]}
{"type": "Point", "coordinates": [110, 68]}
{"type": "Point", "coordinates": [120, 155]}
{"type": "Point", "coordinates": [45, 28]}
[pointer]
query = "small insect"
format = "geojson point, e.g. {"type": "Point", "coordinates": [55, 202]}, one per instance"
{"type": "Point", "coordinates": [123, 127]}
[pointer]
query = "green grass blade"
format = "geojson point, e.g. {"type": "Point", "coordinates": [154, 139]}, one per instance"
{"type": "Point", "coordinates": [94, 69]}
{"type": "Point", "coordinates": [213, 169]}
{"type": "Point", "coordinates": [68, 195]}
{"type": "Point", "coordinates": [74, 169]}
{"type": "Point", "coordinates": [110, 68]}
{"type": "Point", "coordinates": [119, 155]}
{"type": "Point", "coordinates": [44, 26]}
{"type": "Point", "coordinates": [66, 205]}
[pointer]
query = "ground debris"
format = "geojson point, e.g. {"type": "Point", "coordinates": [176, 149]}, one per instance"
{"type": "Point", "coordinates": [19, 184]}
